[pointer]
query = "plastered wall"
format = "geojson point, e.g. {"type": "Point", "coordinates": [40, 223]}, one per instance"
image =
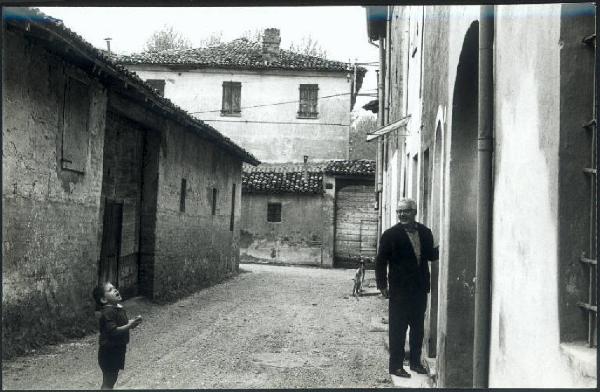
{"type": "Point", "coordinates": [273, 133]}
{"type": "Point", "coordinates": [50, 216]}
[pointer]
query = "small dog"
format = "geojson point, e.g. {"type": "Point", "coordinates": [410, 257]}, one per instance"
{"type": "Point", "coordinates": [359, 279]}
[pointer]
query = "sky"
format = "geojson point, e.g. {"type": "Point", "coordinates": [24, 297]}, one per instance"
{"type": "Point", "coordinates": [340, 30]}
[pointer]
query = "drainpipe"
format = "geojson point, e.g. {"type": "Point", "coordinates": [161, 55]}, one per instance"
{"type": "Point", "coordinates": [483, 261]}
{"type": "Point", "coordinates": [381, 123]}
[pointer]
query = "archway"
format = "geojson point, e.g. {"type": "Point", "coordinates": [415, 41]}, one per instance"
{"type": "Point", "coordinates": [457, 265]}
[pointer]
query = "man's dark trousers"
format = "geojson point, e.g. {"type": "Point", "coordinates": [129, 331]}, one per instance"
{"type": "Point", "coordinates": [406, 309]}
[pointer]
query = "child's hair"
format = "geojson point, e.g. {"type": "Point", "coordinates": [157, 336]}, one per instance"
{"type": "Point", "coordinates": [98, 294]}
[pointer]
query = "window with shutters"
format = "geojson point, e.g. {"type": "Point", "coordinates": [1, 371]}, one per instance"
{"type": "Point", "coordinates": [75, 135]}
{"type": "Point", "coordinates": [231, 99]}
{"type": "Point", "coordinates": [158, 85]}
{"type": "Point", "coordinates": [274, 212]}
{"type": "Point", "coordinates": [308, 101]}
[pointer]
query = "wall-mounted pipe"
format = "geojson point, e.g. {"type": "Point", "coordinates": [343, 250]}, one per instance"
{"type": "Point", "coordinates": [483, 260]}
{"type": "Point", "coordinates": [380, 122]}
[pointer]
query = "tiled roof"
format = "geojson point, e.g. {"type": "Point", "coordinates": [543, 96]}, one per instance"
{"type": "Point", "coordinates": [95, 60]}
{"type": "Point", "coordinates": [288, 177]}
{"type": "Point", "coordinates": [282, 178]}
{"type": "Point", "coordinates": [239, 53]}
{"type": "Point", "coordinates": [356, 167]}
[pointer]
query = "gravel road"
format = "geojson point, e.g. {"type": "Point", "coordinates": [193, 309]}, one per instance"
{"type": "Point", "coordinates": [268, 327]}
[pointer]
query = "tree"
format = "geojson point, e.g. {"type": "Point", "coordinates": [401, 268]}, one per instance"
{"type": "Point", "coordinates": [166, 38]}
{"type": "Point", "coordinates": [215, 38]}
{"type": "Point", "coordinates": [255, 35]}
{"type": "Point", "coordinates": [309, 46]}
{"type": "Point", "coordinates": [363, 123]}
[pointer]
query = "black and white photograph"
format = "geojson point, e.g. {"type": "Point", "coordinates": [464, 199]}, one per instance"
{"type": "Point", "coordinates": [282, 196]}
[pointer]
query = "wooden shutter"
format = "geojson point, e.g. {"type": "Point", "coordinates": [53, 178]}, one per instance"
{"type": "Point", "coordinates": [313, 92]}
{"type": "Point", "coordinates": [308, 100]}
{"type": "Point", "coordinates": [75, 125]}
{"type": "Point", "coordinates": [231, 98]}
{"type": "Point", "coordinates": [226, 106]}
{"type": "Point", "coordinates": [236, 97]}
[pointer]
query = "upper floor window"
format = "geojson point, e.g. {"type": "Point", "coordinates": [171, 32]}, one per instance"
{"type": "Point", "coordinates": [231, 99]}
{"type": "Point", "coordinates": [308, 101]}
{"type": "Point", "coordinates": [158, 85]}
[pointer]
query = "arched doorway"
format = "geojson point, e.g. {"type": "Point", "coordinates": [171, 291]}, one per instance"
{"type": "Point", "coordinates": [457, 264]}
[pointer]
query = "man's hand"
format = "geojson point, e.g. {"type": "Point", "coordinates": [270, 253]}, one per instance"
{"type": "Point", "coordinates": [384, 293]}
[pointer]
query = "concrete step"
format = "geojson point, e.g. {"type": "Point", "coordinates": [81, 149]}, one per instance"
{"type": "Point", "coordinates": [416, 380]}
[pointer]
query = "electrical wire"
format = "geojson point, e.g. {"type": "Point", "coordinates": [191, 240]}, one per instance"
{"type": "Point", "coordinates": [275, 104]}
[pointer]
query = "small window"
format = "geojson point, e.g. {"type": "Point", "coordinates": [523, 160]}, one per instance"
{"type": "Point", "coordinates": [231, 99]}
{"type": "Point", "coordinates": [231, 221]}
{"type": "Point", "coordinates": [158, 85]}
{"type": "Point", "coordinates": [182, 195]}
{"type": "Point", "coordinates": [75, 136]}
{"type": "Point", "coordinates": [274, 212]}
{"type": "Point", "coordinates": [214, 201]}
{"type": "Point", "coordinates": [308, 101]}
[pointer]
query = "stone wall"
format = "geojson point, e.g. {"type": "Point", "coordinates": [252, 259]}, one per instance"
{"type": "Point", "coordinates": [50, 216]}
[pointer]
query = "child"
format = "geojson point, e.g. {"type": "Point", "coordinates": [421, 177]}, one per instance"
{"type": "Point", "coordinates": [114, 332]}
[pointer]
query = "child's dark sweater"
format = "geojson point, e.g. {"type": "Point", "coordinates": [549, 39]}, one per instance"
{"type": "Point", "coordinates": [111, 318]}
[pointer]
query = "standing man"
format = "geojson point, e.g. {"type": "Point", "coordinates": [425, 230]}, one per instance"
{"type": "Point", "coordinates": [405, 248]}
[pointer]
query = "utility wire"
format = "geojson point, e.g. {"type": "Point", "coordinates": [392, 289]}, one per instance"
{"type": "Point", "coordinates": [273, 104]}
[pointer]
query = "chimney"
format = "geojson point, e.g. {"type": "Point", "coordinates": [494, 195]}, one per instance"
{"type": "Point", "coordinates": [305, 171]}
{"type": "Point", "coordinates": [270, 44]}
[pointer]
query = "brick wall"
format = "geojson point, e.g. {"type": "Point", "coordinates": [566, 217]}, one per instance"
{"type": "Point", "coordinates": [123, 155]}
{"type": "Point", "coordinates": [50, 220]}
{"type": "Point", "coordinates": [193, 247]}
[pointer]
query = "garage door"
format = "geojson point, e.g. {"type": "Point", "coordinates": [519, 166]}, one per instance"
{"type": "Point", "coordinates": [356, 224]}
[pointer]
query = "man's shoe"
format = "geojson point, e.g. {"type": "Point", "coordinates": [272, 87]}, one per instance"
{"type": "Point", "coordinates": [400, 372]}
{"type": "Point", "coordinates": [420, 369]}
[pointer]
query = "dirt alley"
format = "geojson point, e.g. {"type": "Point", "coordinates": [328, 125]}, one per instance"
{"type": "Point", "coordinates": [268, 327]}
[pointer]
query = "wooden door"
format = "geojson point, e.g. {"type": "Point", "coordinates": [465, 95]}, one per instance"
{"type": "Point", "coordinates": [111, 243]}
{"type": "Point", "coordinates": [355, 224]}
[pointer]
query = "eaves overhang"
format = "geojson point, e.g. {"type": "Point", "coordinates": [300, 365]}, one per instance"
{"type": "Point", "coordinates": [388, 128]}
{"type": "Point", "coordinates": [376, 20]}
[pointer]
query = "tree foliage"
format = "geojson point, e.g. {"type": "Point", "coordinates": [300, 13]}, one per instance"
{"type": "Point", "coordinates": [309, 46]}
{"type": "Point", "coordinates": [215, 38]}
{"type": "Point", "coordinates": [363, 123]}
{"type": "Point", "coordinates": [254, 35]}
{"type": "Point", "coordinates": [166, 38]}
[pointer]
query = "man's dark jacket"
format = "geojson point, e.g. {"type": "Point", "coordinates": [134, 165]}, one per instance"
{"type": "Point", "coordinates": [405, 274]}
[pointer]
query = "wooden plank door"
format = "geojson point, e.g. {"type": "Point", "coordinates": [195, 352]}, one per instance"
{"type": "Point", "coordinates": [111, 243]}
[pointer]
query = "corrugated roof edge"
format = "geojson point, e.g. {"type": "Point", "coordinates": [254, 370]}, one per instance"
{"type": "Point", "coordinates": [17, 16]}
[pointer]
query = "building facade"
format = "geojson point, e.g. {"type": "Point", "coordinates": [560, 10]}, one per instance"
{"type": "Point", "coordinates": [318, 214]}
{"type": "Point", "coordinates": [513, 86]}
{"type": "Point", "coordinates": [285, 108]}
{"type": "Point", "coordinates": [102, 182]}
{"type": "Point", "coordinates": [278, 104]}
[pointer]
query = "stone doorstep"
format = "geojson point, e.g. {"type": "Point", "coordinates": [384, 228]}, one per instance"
{"type": "Point", "coordinates": [416, 380]}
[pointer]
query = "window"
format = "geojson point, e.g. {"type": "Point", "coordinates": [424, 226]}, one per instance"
{"type": "Point", "coordinates": [274, 212]}
{"type": "Point", "coordinates": [308, 101]}
{"type": "Point", "coordinates": [158, 85]}
{"type": "Point", "coordinates": [231, 221]}
{"type": "Point", "coordinates": [231, 99]}
{"type": "Point", "coordinates": [182, 195]}
{"type": "Point", "coordinates": [214, 201]}
{"type": "Point", "coordinates": [75, 136]}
